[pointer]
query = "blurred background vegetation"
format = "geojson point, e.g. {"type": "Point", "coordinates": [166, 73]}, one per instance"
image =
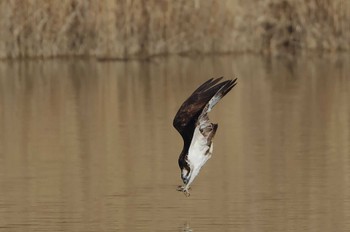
{"type": "Point", "coordinates": [123, 29]}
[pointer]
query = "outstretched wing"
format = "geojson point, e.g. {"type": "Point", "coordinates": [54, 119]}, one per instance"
{"type": "Point", "coordinates": [186, 117]}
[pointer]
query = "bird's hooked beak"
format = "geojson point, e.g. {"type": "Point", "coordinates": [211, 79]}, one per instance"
{"type": "Point", "coordinates": [186, 179]}
{"type": "Point", "coordinates": [185, 176]}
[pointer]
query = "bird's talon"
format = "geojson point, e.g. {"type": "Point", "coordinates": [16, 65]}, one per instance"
{"type": "Point", "coordinates": [184, 190]}
{"type": "Point", "coordinates": [187, 193]}
{"type": "Point", "coordinates": [180, 188]}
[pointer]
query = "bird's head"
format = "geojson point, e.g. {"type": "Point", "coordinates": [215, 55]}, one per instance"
{"type": "Point", "coordinates": [185, 175]}
{"type": "Point", "coordinates": [185, 170]}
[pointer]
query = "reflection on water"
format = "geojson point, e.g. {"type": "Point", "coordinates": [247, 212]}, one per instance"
{"type": "Point", "coordinates": [88, 146]}
{"type": "Point", "coordinates": [186, 228]}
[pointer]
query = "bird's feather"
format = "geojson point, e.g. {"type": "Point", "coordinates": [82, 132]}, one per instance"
{"type": "Point", "coordinates": [193, 123]}
{"type": "Point", "coordinates": [186, 117]}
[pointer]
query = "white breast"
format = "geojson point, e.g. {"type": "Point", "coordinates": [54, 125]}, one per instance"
{"type": "Point", "coordinates": [198, 147]}
{"type": "Point", "coordinates": [198, 153]}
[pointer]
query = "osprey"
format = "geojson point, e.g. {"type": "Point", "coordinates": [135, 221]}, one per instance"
{"type": "Point", "coordinates": [193, 124]}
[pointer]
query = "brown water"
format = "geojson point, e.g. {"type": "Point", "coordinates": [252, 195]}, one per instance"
{"type": "Point", "coordinates": [89, 146]}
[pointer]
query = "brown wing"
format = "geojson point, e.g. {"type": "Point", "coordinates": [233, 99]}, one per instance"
{"type": "Point", "coordinates": [186, 117]}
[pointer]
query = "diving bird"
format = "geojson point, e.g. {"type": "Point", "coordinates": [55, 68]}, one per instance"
{"type": "Point", "coordinates": [193, 124]}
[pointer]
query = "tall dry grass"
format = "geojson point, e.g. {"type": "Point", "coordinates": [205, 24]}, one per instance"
{"type": "Point", "coordinates": [137, 28]}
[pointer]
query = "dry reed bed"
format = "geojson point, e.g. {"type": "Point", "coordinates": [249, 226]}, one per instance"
{"type": "Point", "coordinates": [137, 29]}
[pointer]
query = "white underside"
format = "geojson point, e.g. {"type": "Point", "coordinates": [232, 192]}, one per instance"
{"type": "Point", "coordinates": [198, 154]}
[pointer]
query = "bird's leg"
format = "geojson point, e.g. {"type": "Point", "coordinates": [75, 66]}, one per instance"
{"type": "Point", "coordinates": [186, 190]}
{"type": "Point", "coordinates": [187, 193]}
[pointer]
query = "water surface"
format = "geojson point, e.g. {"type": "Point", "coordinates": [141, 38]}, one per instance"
{"type": "Point", "coordinates": [89, 146]}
